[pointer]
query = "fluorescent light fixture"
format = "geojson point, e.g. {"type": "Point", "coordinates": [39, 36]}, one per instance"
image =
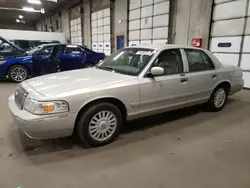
{"type": "Point", "coordinates": [21, 16]}
{"type": "Point", "coordinates": [29, 9]}
{"type": "Point", "coordinates": [37, 2]}
{"type": "Point", "coordinates": [17, 20]}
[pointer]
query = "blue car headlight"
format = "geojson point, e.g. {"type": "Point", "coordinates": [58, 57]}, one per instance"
{"type": "Point", "coordinates": [2, 61]}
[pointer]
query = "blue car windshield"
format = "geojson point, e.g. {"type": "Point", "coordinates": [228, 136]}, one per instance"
{"type": "Point", "coordinates": [6, 50]}
{"type": "Point", "coordinates": [128, 61]}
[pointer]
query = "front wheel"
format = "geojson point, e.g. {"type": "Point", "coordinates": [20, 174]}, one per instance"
{"type": "Point", "coordinates": [18, 73]}
{"type": "Point", "coordinates": [218, 98]}
{"type": "Point", "coordinates": [100, 124]}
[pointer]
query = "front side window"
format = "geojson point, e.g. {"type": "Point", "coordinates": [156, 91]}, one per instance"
{"type": "Point", "coordinates": [170, 61]}
{"type": "Point", "coordinates": [46, 51]}
{"type": "Point", "coordinates": [198, 61]}
{"type": "Point", "coordinates": [127, 61]}
{"type": "Point", "coordinates": [73, 50]}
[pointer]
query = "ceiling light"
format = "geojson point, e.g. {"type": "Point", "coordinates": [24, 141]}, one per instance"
{"type": "Point", "coordinates": [29, 9]}
{"type": "Point", "coordinates": [38, 2]}
{"type": "Point", "coordinates": [17, 20]}
{"type": "Point", "coordinates": [42, 11]}
{"type": "Point", "coordinates": [21, 16]}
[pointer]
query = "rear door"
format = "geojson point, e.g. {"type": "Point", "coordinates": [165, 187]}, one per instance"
{"type": "Point", "coordinates": [72, 58]}
{"type": "Point", "coordinates": [202, 76]}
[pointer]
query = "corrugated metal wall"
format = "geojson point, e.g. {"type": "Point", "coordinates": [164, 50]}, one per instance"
{"type": "Point", "coordinates": [148, 21]}
{"type": "Point", "coordinates": [101, 31]}
{"type": "Point", "coordinates": [230, 34]}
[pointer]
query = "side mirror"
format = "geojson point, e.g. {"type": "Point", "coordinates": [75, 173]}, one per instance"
{"type": "Point", "coordinates": [157, 71]}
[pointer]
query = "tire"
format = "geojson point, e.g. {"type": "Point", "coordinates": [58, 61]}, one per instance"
{"type": "Point", "coordinates": [18, 73]}
{"type": "Point", "coordinates": [218, 98]}
{"type": "Point", "coordinates": [95, 124]}
{"type": "Point", "coordinates": [88, 65]}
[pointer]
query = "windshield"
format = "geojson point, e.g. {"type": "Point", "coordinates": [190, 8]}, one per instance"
{"type": "Point", "coordinates": [7, 50]}
{"type": "Point", "coordinates": [127, 61]}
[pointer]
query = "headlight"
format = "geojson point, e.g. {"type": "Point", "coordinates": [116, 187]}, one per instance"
{"type": "Point", "coordinates": [41, 108]}
{"type": "Point", "coordinates": [2, 61]}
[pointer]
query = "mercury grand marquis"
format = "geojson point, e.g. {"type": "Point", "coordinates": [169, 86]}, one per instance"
{"type": "Point", "coordinates": [131, 83]}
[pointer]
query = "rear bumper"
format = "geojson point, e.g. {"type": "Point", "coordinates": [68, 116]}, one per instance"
{"type": "Point", "coordinates": [237, 86]}
{"type": "Point", "coordinates": [42, 127]}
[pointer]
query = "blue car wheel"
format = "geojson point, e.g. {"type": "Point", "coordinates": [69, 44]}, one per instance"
{"type": "Point", "coordinates": [18, 73]}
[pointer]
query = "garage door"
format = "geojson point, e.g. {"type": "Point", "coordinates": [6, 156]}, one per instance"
{"type": "Point", "coordinates": [101, 31]}
{"type": "Point", "coordinates": [76, 31]}
{"type": "Point", "coordinates": [148, 21]}
{"type": "Point", "coordinates": [230, 34]}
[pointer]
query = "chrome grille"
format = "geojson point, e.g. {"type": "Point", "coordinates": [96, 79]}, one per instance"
{"type": "Point", "coordinates": [20, 96]}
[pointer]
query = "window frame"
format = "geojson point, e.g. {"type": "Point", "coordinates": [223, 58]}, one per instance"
{"type": "Point", "coordinates": [156, 57]}
{"type": "Point", "coordinates": [201, 53]}
{"type": "Point", "coordinates": [38, 53]}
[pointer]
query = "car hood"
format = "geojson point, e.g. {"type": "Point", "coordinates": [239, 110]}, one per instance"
{"type": "Point", "coordinates": [75, 82]}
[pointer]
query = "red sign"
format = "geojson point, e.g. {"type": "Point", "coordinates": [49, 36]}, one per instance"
{"type": "Point", "coordinates": [196, 42]}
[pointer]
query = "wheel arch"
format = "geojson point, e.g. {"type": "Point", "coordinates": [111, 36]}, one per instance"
{"type": "Point", "coordinates": [225, 83]}
{"type": "Point", "coordinates": [118, 103]}
{"type": "Point", "coordinates": [27, 67]}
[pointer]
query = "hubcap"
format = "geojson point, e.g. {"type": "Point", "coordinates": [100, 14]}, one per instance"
{"type": "Point", "coordinates": [18, 74]}
{"type": "Point", "coordinates": [219, 98]}
{"type": "Point", "coordinates": [102, 126]}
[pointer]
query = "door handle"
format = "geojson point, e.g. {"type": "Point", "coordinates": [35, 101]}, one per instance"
{"type": "Point", "coordinates": [183, 80]}
{"type": "Point", "coordinates": [214, 76]}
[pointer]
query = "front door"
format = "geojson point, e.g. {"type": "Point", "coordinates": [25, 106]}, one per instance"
{"type": "Point", "coordinates": [42, 61]}
{"type": "Point", "coordinates": [72, 58]}
{"type": "Point", "coordinates": [202, 75]}
{"type": "Point", "coordinates": [168, 91]}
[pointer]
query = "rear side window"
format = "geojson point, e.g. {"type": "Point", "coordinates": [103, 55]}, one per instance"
{"type": "Point", "coordinates": [73, 50]}
{"type": "Point", "coordinates": [198, 61]}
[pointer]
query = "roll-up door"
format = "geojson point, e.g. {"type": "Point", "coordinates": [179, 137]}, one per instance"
{"type": "Point", "coordinates": [148, 21]}
{"type": "Point", "coordinates": [230, 34]}
{"type": "Point", "coordinates": [76, 31]}
{"type": "Point", "coordinates": [100, 30]}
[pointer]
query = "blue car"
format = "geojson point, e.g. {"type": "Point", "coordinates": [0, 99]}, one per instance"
{"type": "Point", "coordinates": [18, 65]}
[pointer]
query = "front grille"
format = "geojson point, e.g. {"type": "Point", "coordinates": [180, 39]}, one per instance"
{"type": "Point", "coordinates": [20, 96]}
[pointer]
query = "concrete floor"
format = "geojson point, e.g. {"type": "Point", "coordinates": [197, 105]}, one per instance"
{"type": "Point", "coordinates": [185, 148]}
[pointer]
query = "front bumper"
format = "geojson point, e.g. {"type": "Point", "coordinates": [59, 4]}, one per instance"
{"type": "Point", "coordinates": [42, 126]}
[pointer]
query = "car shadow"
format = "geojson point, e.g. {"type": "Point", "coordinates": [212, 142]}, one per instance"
{"type": "Point", "coordinates": [134, 131]}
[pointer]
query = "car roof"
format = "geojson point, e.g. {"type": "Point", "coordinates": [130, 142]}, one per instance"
{"type": "Point", "coordinates": [163, 46]}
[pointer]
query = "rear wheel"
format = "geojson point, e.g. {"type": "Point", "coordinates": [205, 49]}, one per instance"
{"type": "Point", "coordinates": [218, 98]}
{"type": "Point", "coordinates": [100, 124]}
{"type": "Point", "coordinates": [18, 73]}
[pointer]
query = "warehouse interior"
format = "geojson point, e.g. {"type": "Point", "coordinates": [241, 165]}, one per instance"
{"type": "Point", "coordinates": [189, 147]}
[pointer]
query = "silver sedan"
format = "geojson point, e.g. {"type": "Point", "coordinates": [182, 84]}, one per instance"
{"type": "Point", "coordinates": [131, 83]}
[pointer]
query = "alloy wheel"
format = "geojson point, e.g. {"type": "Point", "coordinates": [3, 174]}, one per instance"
{"type": "Point", "coordinates": [18, 74]}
